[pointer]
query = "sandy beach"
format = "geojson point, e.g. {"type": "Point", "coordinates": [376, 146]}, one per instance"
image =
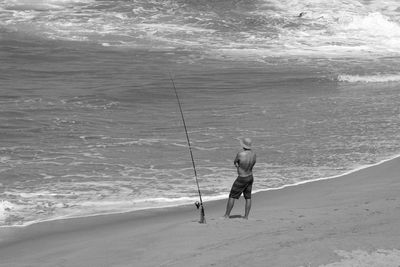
{"type": "Point", "coordinates": [352, 220]}
{"type": "Point", "coordinates": [98, 100]}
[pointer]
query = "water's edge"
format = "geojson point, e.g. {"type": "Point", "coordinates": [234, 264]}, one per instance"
{"type": "Point", "coordinates": [205, 199]}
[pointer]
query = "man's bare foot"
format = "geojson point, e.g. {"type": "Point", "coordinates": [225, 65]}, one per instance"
{"type": "Point", "coordinates": [245, 217]}
{"type": "Point", "coordinates": [225, 216]}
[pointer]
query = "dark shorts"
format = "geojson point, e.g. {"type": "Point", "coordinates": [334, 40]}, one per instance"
{"type": "Point", "coordinates": [242, 185]}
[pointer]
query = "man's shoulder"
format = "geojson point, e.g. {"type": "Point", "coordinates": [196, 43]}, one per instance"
{"type": "Point", "coordinates": [246, 153]}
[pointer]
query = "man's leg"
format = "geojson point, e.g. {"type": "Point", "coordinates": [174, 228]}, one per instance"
{"type": "Point", "coordinates": [229, 206]}
{"type": "Point", "coordinates": [247, 208]}
{"type": "Point", "coordinates": [247, 196]}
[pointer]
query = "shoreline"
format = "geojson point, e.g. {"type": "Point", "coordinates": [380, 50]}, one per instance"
{"type": "Point", "coordinates": [333, 176]}
{"type": "Point", "coordinates": [307, 225]}
{"type": "Point", "coordinates": [208, 199]}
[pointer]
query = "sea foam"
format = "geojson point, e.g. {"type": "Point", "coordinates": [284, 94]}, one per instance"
{"type": "Point", "coordinates": [5, 208]}
{"type": "Point", "coordinates": [378, 78]}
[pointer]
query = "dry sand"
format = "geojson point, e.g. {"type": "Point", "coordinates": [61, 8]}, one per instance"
{"type": "Point", "coordinates": [353, 220]}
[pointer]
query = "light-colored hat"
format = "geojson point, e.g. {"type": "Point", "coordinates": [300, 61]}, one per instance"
{"type": "Point", "coordinates": [246, 143]}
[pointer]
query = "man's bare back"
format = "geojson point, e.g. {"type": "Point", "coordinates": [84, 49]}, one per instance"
{"type": "Point", "coordinates": [244, 162]}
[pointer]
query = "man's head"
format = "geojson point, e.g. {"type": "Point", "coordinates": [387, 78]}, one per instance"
{"type": "Point", "coordinates": [246, 143]}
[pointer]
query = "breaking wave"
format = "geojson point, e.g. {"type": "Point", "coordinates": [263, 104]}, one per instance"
{"type": "Point", "coordinates": [378, 78]}
{"type": "Point", "coordinates": [235, 27]}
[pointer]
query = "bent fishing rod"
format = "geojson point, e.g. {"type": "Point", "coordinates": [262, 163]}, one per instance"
{"type": "Point", "coordinates": [198, 204]}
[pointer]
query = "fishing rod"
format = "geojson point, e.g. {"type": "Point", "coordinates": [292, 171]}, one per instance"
{"type": "Point", "coordinates": [199, 205]}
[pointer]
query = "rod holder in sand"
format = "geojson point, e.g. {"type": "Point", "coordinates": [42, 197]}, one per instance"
{"type": "Point", "coordinates": [202, 215]}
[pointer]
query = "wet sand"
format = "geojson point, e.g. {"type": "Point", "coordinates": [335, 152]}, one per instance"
{"type": "Point", "coordinates": [352, 219]}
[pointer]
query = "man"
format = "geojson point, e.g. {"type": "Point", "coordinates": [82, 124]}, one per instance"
{"type": "Point", "coordinates": [244, 162]}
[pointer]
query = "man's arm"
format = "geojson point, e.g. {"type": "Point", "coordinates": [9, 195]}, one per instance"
{"type": "Point", "coordinates": [236, 161]}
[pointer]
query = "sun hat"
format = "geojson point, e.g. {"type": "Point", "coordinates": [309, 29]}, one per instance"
{"type": "Point", "coordinates": [246, 143]}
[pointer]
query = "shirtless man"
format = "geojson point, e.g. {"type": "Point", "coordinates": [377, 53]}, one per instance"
{"type": "Point", "coordinates": [244, 162]}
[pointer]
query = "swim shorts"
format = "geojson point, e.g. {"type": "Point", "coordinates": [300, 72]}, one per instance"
{"type": "Point", "coordinates": [242, 185]}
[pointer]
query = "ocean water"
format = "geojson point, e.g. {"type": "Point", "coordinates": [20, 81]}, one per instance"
{"type": "Point", "coordinates": [89, 122]}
